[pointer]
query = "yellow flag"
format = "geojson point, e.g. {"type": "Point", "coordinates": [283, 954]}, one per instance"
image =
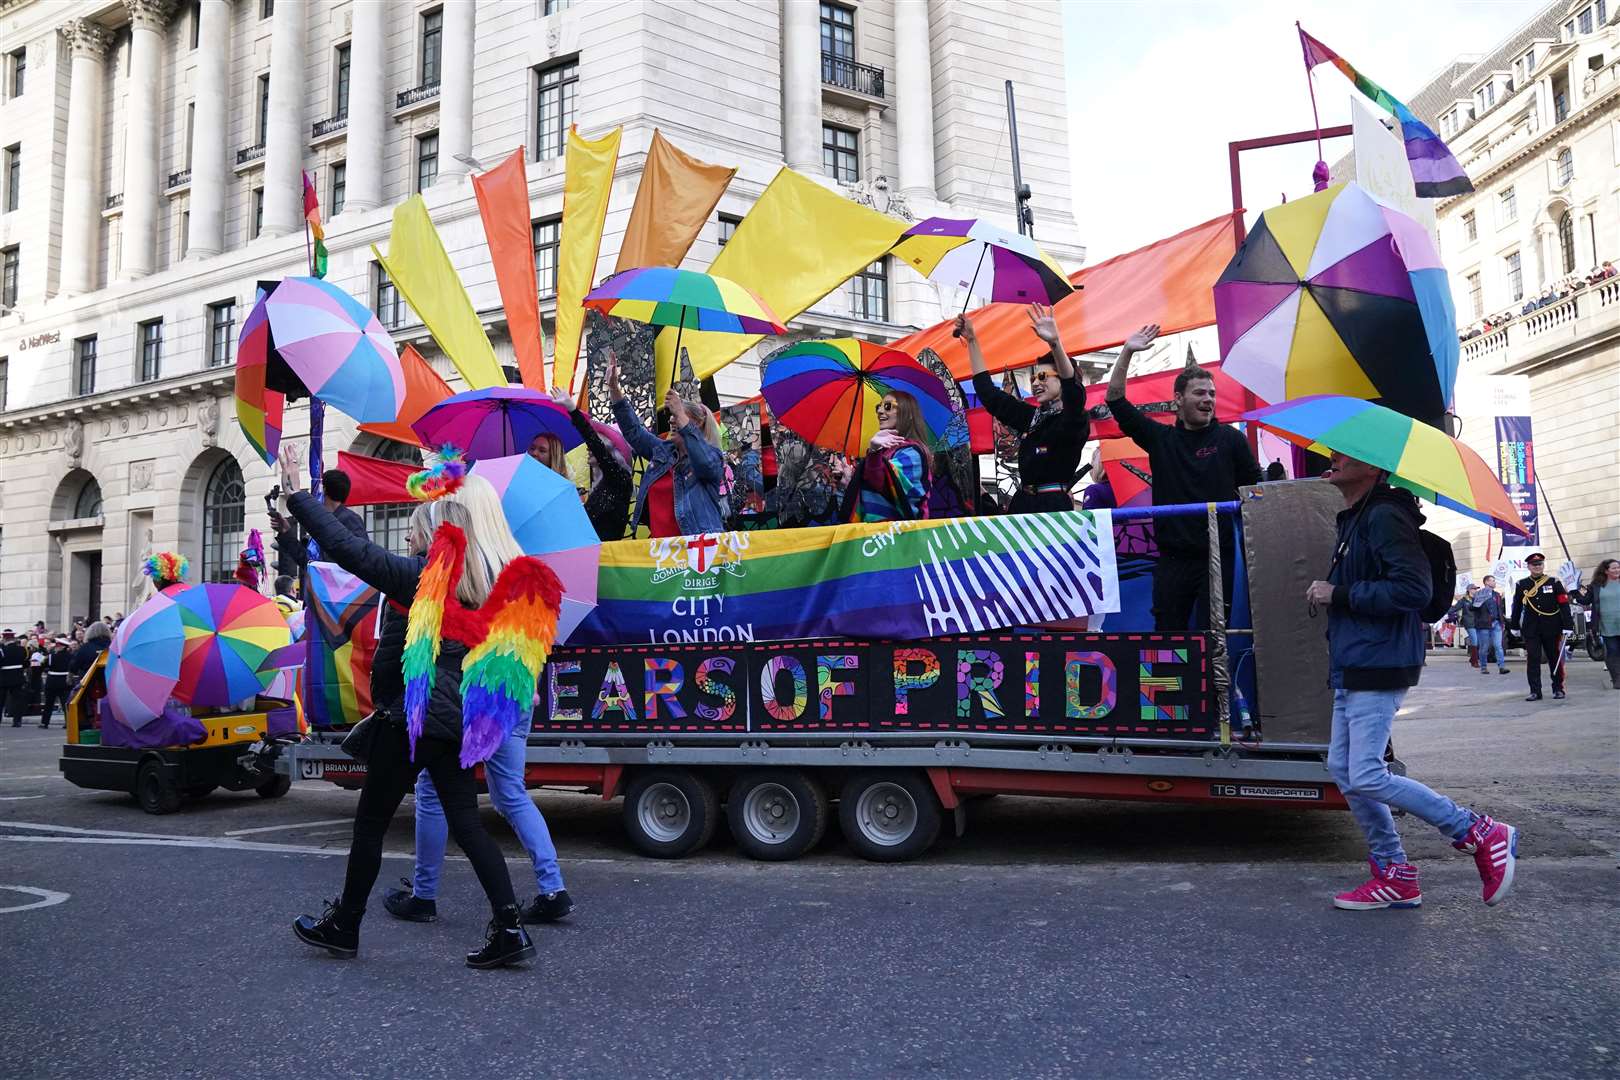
{"type": "Point", "coordinates": [798, 243]}
{"type": "Point", "coordinates": [586, 186]}
{"type": "Point", "coordinates": [420, 269]}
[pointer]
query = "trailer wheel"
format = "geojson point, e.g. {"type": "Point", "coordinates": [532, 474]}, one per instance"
{"type": "Point", "coordinates": [776, 815]}
{"type": "Point", "coordinates": [154, 789]}
{"type": "Point", "coordinates": [889, 816]}
{"type": "Point", "coordinates": [275, 787]}
{"type": "Point", "coordinates": [670, 813]}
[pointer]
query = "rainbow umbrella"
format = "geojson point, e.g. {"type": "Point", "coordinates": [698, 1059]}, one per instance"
{"type": "Point", "coordinates": [549, 521]}
{"type": "Point", "coordinates": [827, 391]}
{"type": "Point", "coordinates": [143, 661]}
{"type": "Point", "coordinates": [336, 348]}
{"type": "Point", "coordinates": [495, 422]}
{"type": "Point", "coordinates": [258, 408]}
{"type": "Point", "coordinates": [1420, 458]}
{"type": "Point", "coordinates": [1337, 293]}
{"type": "Point", "coordinates": [988, 261]}
{"type": "Point", "coordinates": [228, 632]}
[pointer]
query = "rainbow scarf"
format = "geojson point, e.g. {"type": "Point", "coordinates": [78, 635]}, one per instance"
{"type": "Point", "coordinates": [508, 640]}
{"type": "Point", "coordinates": [1435, 172]}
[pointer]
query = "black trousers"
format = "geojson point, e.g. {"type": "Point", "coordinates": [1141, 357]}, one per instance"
{"type": "Point", "coordinates": [1543, 638]}
{"type": "Point", "coordinates": [57, 692]}
{"type": "Point", "coordinates": [16, 699]}
{"type": "Point", "coordinates": [1040, 502]}
{"type": "Point", "coordinates": [390, 774]}
{"type": "Point", "coordinates": [1181, 590]}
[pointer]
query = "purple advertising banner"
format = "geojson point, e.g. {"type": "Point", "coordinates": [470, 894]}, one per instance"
{"type": "Point", "coordinates": [1516, 465]}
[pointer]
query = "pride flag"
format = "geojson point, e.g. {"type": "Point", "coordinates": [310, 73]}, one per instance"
{"type": "Point", "coordinates": [1435, 172]}
{"type": "Point", "coordinates": [312, 218]}
{"type": "Point", "coordinates": [341, 631]}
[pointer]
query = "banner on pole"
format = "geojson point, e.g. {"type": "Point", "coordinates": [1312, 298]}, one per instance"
{"type": "Point", "coordinates": [1516, 466]}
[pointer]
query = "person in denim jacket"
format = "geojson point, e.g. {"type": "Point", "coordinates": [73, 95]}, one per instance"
{"type": "Point", "coordinates": [680, 487]}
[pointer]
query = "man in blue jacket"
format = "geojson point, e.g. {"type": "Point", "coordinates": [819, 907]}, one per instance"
{"type": "Point", "coordinates": [1379, 582]}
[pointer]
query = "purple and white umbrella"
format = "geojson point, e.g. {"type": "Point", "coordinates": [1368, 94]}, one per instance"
{"type": "Point", "coordinates": [986, 260]}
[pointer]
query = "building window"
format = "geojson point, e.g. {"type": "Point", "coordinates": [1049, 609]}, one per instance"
{"type": "Point", "coordinates": [340, 99]}
{"type": "Point", "coordinates": [195, 24]}
{"type": "Point", "coordinates": [385, 298]}
{"type": "Point", "coordinates": [840, 156]}
{"type": "Point", "coordinates": [551, 7]}
{"type": "Point", "coordinates": [1569, 30]}
{"type": "Point", "coordinates": [432, 45]}
{"type": "Point", "coordinates": [1566, 240]}
{"type": "Point", "coordinates": [221, 333]}
{"type": "Point", "coordinates": [1470, 227]}
{"type": "Point", "coordinates": [9, 260]}
{"type": "Point", "coordinates": [558, 86]}
{"type": "Point", "coordinates": [263, 124]}
{"type": "Point", "coordinates": [340, 186]}
{"type": "Point", "coordinates": [267, 8]}
{"type": "Point", "coordinates": [1566, 167]}
{"type": "Point", "coordinates": [256, 213]}
{"type": "Point", "coordinates": [84, 364]}
{"type": "Point", "coordinates": [224, 522]}
{"type": "Point", "coordinates": [547, 239]}
{"type": "Point", "coordinates": [13, 177]}
{"type": "Point", "coordinates": [837, 33]}
{"type": "Point", "coordinates": [16, 72]}
{"type": "Point", "coordinates": [1515, 277]}
{"type": "Point", "coordinates": [1507, 207]}
{"type": "Point", "coordinates": [185, 233]}
{"type": "Point", "coordinates": [728, 227]}
{"type": "Point", "coordinates": [427, 160]}
{"type": "Point", "coordinates": [191, 130]}
{"type": "Point", "coordinates": [5, 377]}
{"type": "Point", "coordinates": [1476, 296]}
{"type": "Point", "coordinates": [869, 292]}
{"type": "Point", "coordinates": [87, 503]}
{"type": "Point", "coordinates": [389, 523]}
{"type": "Point", "coordinates": [1585, 20]}
{"type": "Point", "coordinates": [151, 338]}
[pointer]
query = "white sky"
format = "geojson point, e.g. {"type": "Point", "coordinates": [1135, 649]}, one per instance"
{"type": "Point", "coordinates": [1157, 90]}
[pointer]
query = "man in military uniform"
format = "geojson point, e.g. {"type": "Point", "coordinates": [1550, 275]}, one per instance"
{"type": "Point", "coordinates": [1541, 612]}
{"type": "Point", "coordinates": [13, 676]}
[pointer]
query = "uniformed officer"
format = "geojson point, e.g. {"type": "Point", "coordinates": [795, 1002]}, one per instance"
{"type": "Point", "coordinates": [13, 676]}
{"type": "Point", "coordinates": [1541, 612]}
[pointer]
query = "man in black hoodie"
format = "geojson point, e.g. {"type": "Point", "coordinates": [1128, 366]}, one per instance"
{"type": "Point", "coordinates": [1379, 581]}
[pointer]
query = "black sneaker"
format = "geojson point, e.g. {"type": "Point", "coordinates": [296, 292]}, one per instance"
{"type": "Point", "coordinates": [337, 931]}
{"type": "Point", "coordinates": [404, 904]}
{"type": "Point", "coordinates": [1503, 671]}
{"type": "Point", "coordinates": [1558, 695]}
{"type": "Point", "coordinates": [506, 942]}
{"type": "Point", "coordinates": [1535, 695]}
{"type": "Point", "coordinates": [549, 907]}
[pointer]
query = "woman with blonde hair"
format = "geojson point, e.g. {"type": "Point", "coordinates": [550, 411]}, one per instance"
{"type": "Point", "coordinates": [398, 754]}
{"type": "Point", "coordinates": [548, 451]}
{"type": "Point", "coordinates": [891, 482]}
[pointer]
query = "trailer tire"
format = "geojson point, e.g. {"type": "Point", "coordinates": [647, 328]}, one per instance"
{"type": "Point", "coordinates": [670, 813]}
{"type": "Point", "coordinates": [275, 787]}
{"type": "Point", "coordinates": [889, 816]}
{"type": "Point", "coordinates": [776, 814]}
{"type": "Point", "coordinates": [153, 788]}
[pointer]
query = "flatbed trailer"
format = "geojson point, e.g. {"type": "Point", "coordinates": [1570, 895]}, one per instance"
{"type": "Point", "coordinates": [903, 735]}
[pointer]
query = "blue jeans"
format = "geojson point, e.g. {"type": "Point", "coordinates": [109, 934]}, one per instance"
{"type": "Point", "coordinates": [1486, 640]}
{"type": "Point", "coordinates": [1362, 720]}
{"type": "Point", "coordinates": [504, 775]}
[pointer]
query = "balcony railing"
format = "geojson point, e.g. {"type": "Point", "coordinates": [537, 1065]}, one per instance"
{"type": "Point", "coordinates": [416, 94]}
{"type": "Point", "coordinates": [848, 75]}
{"type": "Point", "coordinates": [179, 179]}
{"type": "Point", "coordinates": [249, 153]}
{"type": "Point", "coordinates": [1547, 323]}
{"type": "Point", "coordinates": [115, 201]}
{"type": "Point", "coordinates": [328, 126]}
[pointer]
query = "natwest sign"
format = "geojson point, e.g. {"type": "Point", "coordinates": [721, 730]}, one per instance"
{"type": "Point", "coordinates": [33, 341]}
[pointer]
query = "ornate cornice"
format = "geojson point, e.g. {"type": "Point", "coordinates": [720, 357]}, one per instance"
{"type": "Point", "coordinates": [87, 38]}
{"type": "Point", "coordinates": [150, 14]}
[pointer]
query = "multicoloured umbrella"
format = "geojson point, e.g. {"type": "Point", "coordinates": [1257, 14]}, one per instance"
{"type": "Point", "coordinates": [228, 631]}
{"type": "Point", "coordinates": [827, 391]}
{"type": "Point", "coordinates": [495, 422]}
{"type": "Point", "coordinates": [1337, 293]}
{"type": "Point", "coordinates": [988, 261]}
{"type": "Point", "coordinates": [336, 347]}
{"type": "Point", "coordinates": [665, 296]}
{"type": "Point", "coordinates": [1129, 472]}
{"type": "Point", "coordinates": [258, 408]}
{"type": "Point", "coordinates": [1422, 459]}
{"type": "Point", "coordinates": [143, 661]}
{"type": "Point", "coordinates": [546, 516]}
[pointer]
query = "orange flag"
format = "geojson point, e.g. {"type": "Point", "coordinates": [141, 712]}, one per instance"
{"type": "Point", "coordinates": [1170, 282]}
{"type": "Point", "coordinates": [423, 390]}
{"type": "Point", "coordinates": [676, 195]}
{"type": "Point", "coordinates": [503, 203]}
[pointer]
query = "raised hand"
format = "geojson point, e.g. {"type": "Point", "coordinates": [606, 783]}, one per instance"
{"type": "Point", "coordinates": [1142, 338]}
{"type": "Point", "coordinates": [614, 390]}
{"type": "Point", "coordinates": [964, 329]}
{"type": "Point", "coordinates": [1044, 323]}
{"type": "Point", "coordinates": [676, 407]}
{"type": "Point", "coordinates": [291, 469]}
{"type": "Point", "coordinates": [563, 398]}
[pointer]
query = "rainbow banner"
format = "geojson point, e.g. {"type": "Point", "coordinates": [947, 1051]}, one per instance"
{"type": "Point", "coordinates": [897, 579]}
{"type": "Point", "coordinates": [342, 637]}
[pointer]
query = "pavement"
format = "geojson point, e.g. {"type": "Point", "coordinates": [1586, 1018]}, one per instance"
{"type": "Point", "coordinates": [1056, 938]}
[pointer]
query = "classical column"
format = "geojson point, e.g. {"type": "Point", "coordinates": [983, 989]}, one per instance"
{"type": "Point", "coordinates": [455, 91]}
{"type": "Point", "coordinates": [1585, 257]}
{"type": "Point", "coordinates": [142, 182]}
{"type": "Point", "coordinates": [284, 139]}
{"type": "Point", "coordinates": [81, 194]}
{"type": "Point", "coordinates": [369, 109]}
{"type": "Point", "coordinates": [914, 99]}
{"type": "Point", "coordinates": [210, 171]}
{"type": "Point", "coordinates": [801, 84]}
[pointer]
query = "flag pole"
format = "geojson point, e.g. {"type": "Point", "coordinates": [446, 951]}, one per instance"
{"type": "Point", "coordinates": [1319, 175]}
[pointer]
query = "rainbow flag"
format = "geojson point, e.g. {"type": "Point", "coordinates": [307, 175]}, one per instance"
{"type": "Point", "coordinates": [893, 579]}
{"type": "Point", "coordinates": [1435, 172]}
{"type": "Point", "coordinates": [341, 631]}
{"type": "Point", "coordinates": [258, 408]}
{"type": "Point", "coordinates": [312, 218]}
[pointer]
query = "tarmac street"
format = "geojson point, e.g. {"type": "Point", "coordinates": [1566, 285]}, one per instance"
{"type": "Point", "coordinates": [1056, 938]}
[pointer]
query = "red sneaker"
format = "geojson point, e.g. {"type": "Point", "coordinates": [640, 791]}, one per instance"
{"type": "Point", "coordinates": [1394, 887]}
{"type": "Point", "coordinates": [1495, 848]}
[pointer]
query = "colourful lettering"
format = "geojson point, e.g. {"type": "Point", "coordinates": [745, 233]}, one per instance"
{"type": "Point", "coordinates": [906, 680]}
{"type": "Point", "coordinates": [564, 692]}
{"type": "Point", "coordinates": [708, 683]}
{"type": "Point", "coordinates": [1076, 662]}
{"type": "Point", "coordinates": [829, 684]}
{"type": "Point", "coordinates": [767, 688]}
{"type": "Point", "coordinates": [1153, 685]}
{"type": "Point", "coordinates": [662, 679]}
{"type": "Point", "coordinates": [615, 694]}
{"type": "Point", "coordinates": [983, 684]}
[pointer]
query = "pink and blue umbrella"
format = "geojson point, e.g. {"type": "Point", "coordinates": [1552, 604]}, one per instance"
{"type": "Point", "coordinates": [143, 661]}
{"type": "Point", "coordinates": [494, 422]}
{"type": "Point", "coordinates": [336, 347]}
{"type": "Point", "coordinates": [548, 520]}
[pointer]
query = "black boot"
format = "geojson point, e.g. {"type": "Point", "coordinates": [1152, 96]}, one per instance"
{"type": "Point", "coordinates": [337, 930]}
{"type": "Point", "coordinates": [507, 942]}
{"type": "Point", "coordinates": [549, 907]}
{"type": "Point", "coordinates": [404, 904]}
